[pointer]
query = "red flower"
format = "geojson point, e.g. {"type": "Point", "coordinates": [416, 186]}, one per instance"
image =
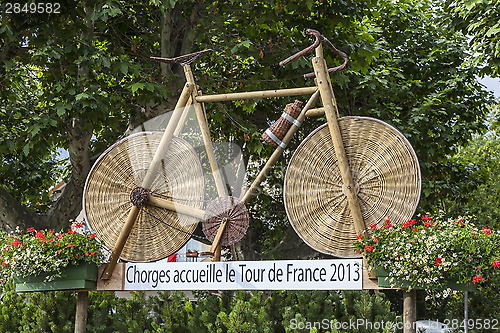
{"type": "Point", "coordinates": [439, 261]}
{"type": "Point", "coordinates": [5, 262]}
{"type": "Point", "coordinates": [373, 226]}
{"type": "Point", "coordinates": [79, 225]}
{"type": "Point", "coordinates": [375, 240]}
{"type": "Point", "coordinates": [496, 264]}
{"type": "Point", "coordinates": [71, 244]}
{"type": "Point", "coordinates": [71, 231]}
{"type": "Point", "coordinates": [369, 248]}
{"type": "Point", "coordinates": [477, 278]}
{"type": "Point", "coordinates": [15, 242]}
{"type": "Point", "coordinates": [428, 224]}
{"type": "Point", "coordinates": [486, 231]}
{"type": "Point", "coordinates": [359, 236]}
{"type": "Point", "coordinates": [409, 223]}
{"type": "Point", "coordinates": [51, 231]}
{"type": "Point", "coordinates": [414, 229]}
{"type": "Point", "coordinates": [31, 229]}
{"type": "Point", "coordinates": [92, 235]}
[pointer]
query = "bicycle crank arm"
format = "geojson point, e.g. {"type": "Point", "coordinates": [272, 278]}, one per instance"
{"type": "Point", "coordinates": [176, 207]}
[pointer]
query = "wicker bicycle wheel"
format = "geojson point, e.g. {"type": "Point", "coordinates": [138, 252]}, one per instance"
{"type": "Point", "coordinates": [157, 232]}
{"type": "Point", "coordinates": [387, 180]}
{"type": "Point", "coordinates": [234, 212]}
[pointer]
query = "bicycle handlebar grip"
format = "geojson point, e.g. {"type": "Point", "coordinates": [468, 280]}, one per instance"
{"type": "Point", "coordinates": [299, 54]}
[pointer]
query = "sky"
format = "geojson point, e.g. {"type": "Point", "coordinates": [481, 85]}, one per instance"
{"type": "Point", "coordinates": [492, 84]}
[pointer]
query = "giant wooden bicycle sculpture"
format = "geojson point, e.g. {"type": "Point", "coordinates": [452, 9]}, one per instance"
{"type": "Point", "coordinates": [144, 195]}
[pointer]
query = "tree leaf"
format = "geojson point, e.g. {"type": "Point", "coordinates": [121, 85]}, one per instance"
{"type": "Point", "coordinates": [137, 86]}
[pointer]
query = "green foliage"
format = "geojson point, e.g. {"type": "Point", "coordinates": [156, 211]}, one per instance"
{"type": "Point", "coordinates": [481, 157]}
{"type": "Point", "coordinates": [419, 85]}
{"type": "Point", "coordinates": [479, 19]}
{"type": "Point", "coordinates": [277, 311]}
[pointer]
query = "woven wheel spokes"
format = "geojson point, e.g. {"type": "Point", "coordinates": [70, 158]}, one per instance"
{"type": "Point", "coordinates": [226, 208]}
{"type": "Point", "coordinates": [107, 196]}
{"type": "Point", "coordinates": [387, 178]}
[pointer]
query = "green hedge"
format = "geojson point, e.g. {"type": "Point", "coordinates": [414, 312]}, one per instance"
{"type": "Point", "coordinates": [277, 311]}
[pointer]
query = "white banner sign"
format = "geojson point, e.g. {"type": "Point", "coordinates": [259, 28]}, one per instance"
{"type": "Point", "coordinates": [337, 274]}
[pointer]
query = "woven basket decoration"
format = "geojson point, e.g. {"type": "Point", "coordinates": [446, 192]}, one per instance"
{"type": "Point", "coordinates": [157, 232]}
{"type": "Point", "coordinates": [226, 208]}
{"type": "Point", "coordinates": [282, 125]}
{"type": "Point", "coordinates": [387, 180]}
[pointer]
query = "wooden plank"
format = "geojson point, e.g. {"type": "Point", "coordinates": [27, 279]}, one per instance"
{"type": "Point", "coordinates": [370, 283]}
{"type": "Point", "coordinates": [115, 282]}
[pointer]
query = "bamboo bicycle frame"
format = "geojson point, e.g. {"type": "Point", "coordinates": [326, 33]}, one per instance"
{"type": "Point", "coordinates": [192, 96]}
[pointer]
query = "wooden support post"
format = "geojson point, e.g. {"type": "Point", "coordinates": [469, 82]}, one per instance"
{"type": "Point", "coordinates": [207, 141]}
{"type": "Point", "coordinates": [218, 236]}
{"type": "Point", "coordinates": [182, 121]}
{"type": "Point", "coordinates": [148, 179]}
{"type": "Point", "coordinates": [82, 304]}
{"type": "Point", "coordinates": [205, 131]}
{"type": "Point", "coordinates": [330, 106]}
{"type": "Point", "coordinates": [255, 94]}
{"type": "Point", "coordinates": [410, 311]}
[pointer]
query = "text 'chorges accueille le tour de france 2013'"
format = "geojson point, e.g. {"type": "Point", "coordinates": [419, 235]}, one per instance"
{"type": "Point", "coordinates": [337, 274]}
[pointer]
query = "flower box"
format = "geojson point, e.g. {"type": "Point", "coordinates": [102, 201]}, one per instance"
{"type": "Point", "coordinates": [432, 253]}
{"type": "Point", "coordinates": [382, 276]}
{"type": "Point", "coordinates": [82, 276]}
